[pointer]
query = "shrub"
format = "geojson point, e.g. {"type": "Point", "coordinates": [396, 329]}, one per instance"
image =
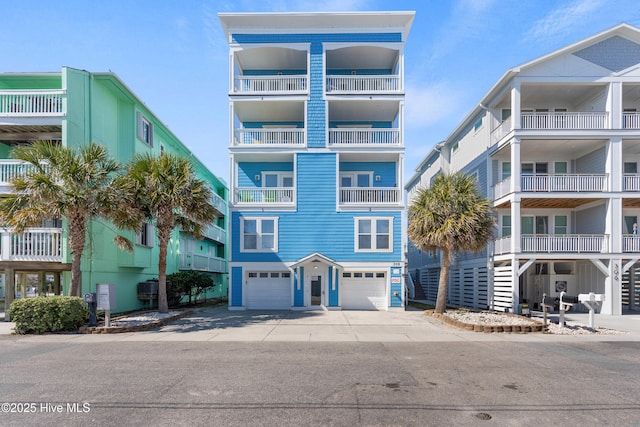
{"type": "Point", "coordinates": [48, 314]}
{"type": "Point", "coordinates": [191, 283]}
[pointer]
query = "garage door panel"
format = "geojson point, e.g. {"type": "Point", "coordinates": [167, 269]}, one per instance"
{"type": "Point", "coordinates": [268, 293]}
{"type": "Point", "coordinates": [364, 294]}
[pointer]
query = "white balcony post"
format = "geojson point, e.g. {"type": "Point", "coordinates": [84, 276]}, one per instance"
{"type": "Point", "coordinates": [613, 165]}
{"type": "Point", "coordinates": [515, 107]}
{"type": "Point", "coordinates": [515, 166]}
{"type": "Point", "coordinates": [5, 244]}
{"type": "Point", "coordinates": [613, 224]}
{"type": "Point", "coordinates": [612, 303]}
{"type": "Point", "coordinates": [614, 104]}
{"type": "Point", "coordinates": [515, 226]}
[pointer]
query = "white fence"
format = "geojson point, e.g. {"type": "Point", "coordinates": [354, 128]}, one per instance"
{"type": "Point", "coordinates": [270, 137]}
{"type": "Point", "coordinates": [366, 84]}
{"type": "Point", "coordinates": [565, 120]}
{"type": "Point", "coordinates": [569, 243]}
{"type": "Point", "coordinates": [270, 84]}
{"type": "Point", "coordinates": [31, 103]}
{"type": "Point", "coordinates": [357, 136]}
{"type": "Point", "coordinates": [369, 195]}
{"type": "Point", "coordinates": [564, 182]}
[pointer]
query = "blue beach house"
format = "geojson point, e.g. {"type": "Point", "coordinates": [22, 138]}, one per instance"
{"type": "Point", "coordinates": [316, 108]}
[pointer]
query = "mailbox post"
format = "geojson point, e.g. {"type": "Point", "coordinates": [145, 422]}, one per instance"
{"type": "Point", "coordinates": [90, 299]}
{"type": "Point", "coordinates": [591, 300]}
{"type": "Point", "coordinates": [566, 302]}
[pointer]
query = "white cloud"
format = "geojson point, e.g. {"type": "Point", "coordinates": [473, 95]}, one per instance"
{"type": "Point", "coordinates": [564, 20]}
{"type": "Point", "coordinates": [427, 105]}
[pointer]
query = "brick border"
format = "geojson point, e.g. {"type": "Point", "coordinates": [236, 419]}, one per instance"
{"type": "Point", "coordinates": [134, 328]}
{"type": "Point", "coordinates": [535, 325]}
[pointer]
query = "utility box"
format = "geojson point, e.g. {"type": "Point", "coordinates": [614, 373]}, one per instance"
{"type": "Point", "coordinates": [106, 296]}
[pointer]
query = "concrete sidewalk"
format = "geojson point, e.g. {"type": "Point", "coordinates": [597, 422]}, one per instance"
{"type": "Point", "coordinates": [220, 324]}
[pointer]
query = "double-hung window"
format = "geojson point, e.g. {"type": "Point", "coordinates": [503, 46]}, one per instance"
{"type": "Point", "coordinates": [144, 130]}
{"type": "Point", "coordinates": [373, 234]}
{"type": "Point", "coordinates": [259, 234]}
{"type": "Point", "coordinates": [144, 237]}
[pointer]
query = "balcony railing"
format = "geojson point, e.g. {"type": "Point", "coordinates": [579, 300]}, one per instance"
{"type": "Point", "coordinates": [219, 203]}
{"type": "Point", "coordinates": [369, 196]}
{"type": "Point", "coordinates": [630, 243]}
{"type": "Point", "coordinates": [31, 103]}
{"type": "Point", "coordinates": [565, 243]}
{"type": "Point", "coordinates": [564, 182]}
{"type": "Point", "coordinates": [502, 245]}
{"type": "Point", "coordinates": [270, 137]}
{"type": "Point", "coordinates": [503, 129]}
{"type": "Point", "coordinates": [362, 137]}
{"type": "Point", "coordinates": [265, 196]}
{"type": "Point", "coordinates": [270, 84]}
{"type": "Point", "coordinates": [502, 188]}
{"type": "Point", "coordinates": [33, 244]}
{"type": "Point", "coordinates": [631, 182]}
{"type": "Point", "coordinates": [363, 84]}
{"type": "Point", "coordinates": [631, 120]}
{"type": "Point", "coordinates": [565, 120]}
{"type": "Point", "coordinates": [216, 233]}
{"type": "Point", "coordinates": [192, 261]}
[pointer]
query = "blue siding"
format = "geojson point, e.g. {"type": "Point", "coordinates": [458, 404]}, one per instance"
{"type": "Point", "coordinates": [298, 295]}
{"type": "Point", "coordinates": [236, 287]}
{"type": "Point", "coordinates": [361, 72]}
{"type": "Point", "coordinates": [316, 106]}
{"type": "Point", "coordinates": [258, 125]}
{"type": "Point", "coordinates": [374, 125]}
{"type": "Point", "coordinates": [396, 288]}
{"type": "Point", "coordinates": [247, 171]}
{"type": "Point", "coordinates": [273, 72]}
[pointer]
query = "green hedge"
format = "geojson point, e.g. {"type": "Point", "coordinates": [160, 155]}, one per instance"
{"type": "Point", "coordinates": [48, 314]}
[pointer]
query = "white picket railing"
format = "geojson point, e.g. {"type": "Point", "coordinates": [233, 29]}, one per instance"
{"type": "Point", "coordinates": [270, 137]}
{"type": "Point", "coordinates": [631, 120]}
{"type": "Point", "coordinates": [219, 203]}
{"type": "Point", "coordinates": [502, 130]}
{"type": "Point", "coordinates": [193, 261]}
{"type": "Point", "coordinates": [564, 182]}
{"type": "Point", "coordinates": [364, 84]}
{"type": "Point", "coordinates": [270, 84]}
{"type": "Point", "coordinates": [359, 136]}
{"type": "Point", "coordinates": [369, 195]}
{"type": "Point", "coordinates": [630, 243]}
{"type": "Point", "coordinates": [216, 233]}
{"type": "Point", "coordinates": [502, 245]}
{"type": "Point", "coordinates": [33, 244]}
{"type": "Point", "coordinates": [569, 243]}
{"type": "Point", "coordinates": [564, 120]}
{"type": "Point", "coordinates": [631, 182]}
{"type": "Point", "coordinates": [268, 196]}
{"type": "Point", "coordinates": [502, 188]}
{"type": "Point", "coordinates": [30, 103]}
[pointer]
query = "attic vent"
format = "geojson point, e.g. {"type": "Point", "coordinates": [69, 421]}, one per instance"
{"type": "Point", "coordinates": [614, 54]}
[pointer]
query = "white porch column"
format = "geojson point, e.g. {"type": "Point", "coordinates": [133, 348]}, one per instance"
{"type": "Point", "coordinates": [614, 105]}
{"type": "Point", "coordinates": [515, 165]}
{"type": "Point", "coordinates": [5, 245]}
{"type": "Point", "coordinates": [613, 224]}
{"type": "Point", "coordinates": [515, 282]}
{"type": "Point", "coordinates": [516, 119]}
{"type": "Point", "coordinates": [516, 231]}
{"type": "Point", "coordinates": [612, 304]}
{"type": "Point", "coordinates": [613, 166]}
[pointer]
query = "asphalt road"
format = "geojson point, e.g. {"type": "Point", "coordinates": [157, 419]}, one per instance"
{"type": "Point", "coordinates": [343, 384]}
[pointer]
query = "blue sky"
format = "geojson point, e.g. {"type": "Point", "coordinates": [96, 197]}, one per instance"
{"type": "Point", "coordinates": [174, 56]}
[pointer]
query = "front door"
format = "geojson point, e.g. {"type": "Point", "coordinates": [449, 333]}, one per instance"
{"type": "Point", "coordinates": [316, 290]}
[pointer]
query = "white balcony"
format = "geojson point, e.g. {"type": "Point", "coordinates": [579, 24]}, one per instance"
{"type": "Point", "coordinates": [219, 203]}
{"type": "Point", "coordinates": [272, 85]}
{"type": "Point", "coordinates": [366, 196]}
{"type": "Point", "coordinates": [31, 103]}
{"type": "Point", "coordinates": [502, 245]}
{"type": "Point", "coordinates": [270, 196]}
{"type": "Point", "coordinates": [565, 243]}
{"type": "Point", "coordinates": [283, 137]}
{"type": "Point", "coordinates": [631, 182]}
{"type": "Point", "coordinates": [33, 244]}
{"type": "Point", "coordinates": [630, 243]}
{"type": "Point", "coordinates": [564, 182]}
{"type": "Point", "coordinates": [216, 233]}
{"type": "Point", "coordinates": [192, 261]}
{"type": "Point", "coordinates": [565, 120]}
{"type": "Point", "coordinates": [10, 170]}
{"type": "Point", "coordinates": [363, 84]}
{"type": "Point", "coordinates": [631, 120]}
{"type": "Point", "coordinates": [364, 137]}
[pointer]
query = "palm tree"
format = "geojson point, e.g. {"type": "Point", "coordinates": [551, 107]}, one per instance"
{"type": "Point", "coordinates": [452, 217]}
{"type": "Point", "coordinates": [61, 182]}
{"type": "Point", "coordinates": [163, 191]}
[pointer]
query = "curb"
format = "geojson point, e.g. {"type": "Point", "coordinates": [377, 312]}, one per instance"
{"type": "Point", "coordinates": [136, 328]}
{"type": "Point", "coordinates": [535, 326]}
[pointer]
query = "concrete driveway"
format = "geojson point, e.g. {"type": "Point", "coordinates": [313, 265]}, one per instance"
{"type": "Point", "coordinates": [220, 324]}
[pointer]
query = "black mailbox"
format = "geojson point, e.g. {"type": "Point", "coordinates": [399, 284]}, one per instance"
{"type": "Point", "coordinates": [550, 301]}
{"type": "Point", "coordinates": [567, 299]}
{"type": "Point", "coordinates": [90, 297]}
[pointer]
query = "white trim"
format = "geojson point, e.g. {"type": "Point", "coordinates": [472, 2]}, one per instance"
{"type": "Point", "coordinates": [374, 220]}
{"type": "Point", "coordinates": [259, 220]}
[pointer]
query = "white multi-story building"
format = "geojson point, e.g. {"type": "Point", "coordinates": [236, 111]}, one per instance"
{"type": "Point", "coordinates": [555, 145]}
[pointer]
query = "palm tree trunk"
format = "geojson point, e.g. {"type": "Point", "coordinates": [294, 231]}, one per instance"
{"type": "Point", "coordinates": [75, 290]}
{"type": "Point", "coordinates": [441, 301]}
{"type": "Point", "coordinates": [77, 237]}
{"type": "Point", "coordinates": [163, 242]}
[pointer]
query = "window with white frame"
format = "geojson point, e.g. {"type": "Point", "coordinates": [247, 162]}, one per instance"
{"type": "Point", "coordinates": [277, 179]}
{"type": "Point", "coordinates": [356, 179]}
{"type": "Point", "coordinates": [373, 234]}
{"type": "Point", "coordinates": [259, 234]}
{"type": "Point", "coordinates": [145, 130]}
{"type": "Point", "coordinates": [144, 237]}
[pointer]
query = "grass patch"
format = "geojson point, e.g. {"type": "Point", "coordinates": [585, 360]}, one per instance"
{"type": "Point", "coordinates": [420, 305]}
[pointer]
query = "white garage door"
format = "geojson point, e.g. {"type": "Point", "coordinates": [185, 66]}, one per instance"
{"type": "Point", "coordinates": [364, 291]}
{"type": "Point", "coordinates": [269, 290]}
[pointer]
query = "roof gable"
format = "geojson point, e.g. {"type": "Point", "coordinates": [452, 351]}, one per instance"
{"type": "Point", "coordinates": [615, 53]}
